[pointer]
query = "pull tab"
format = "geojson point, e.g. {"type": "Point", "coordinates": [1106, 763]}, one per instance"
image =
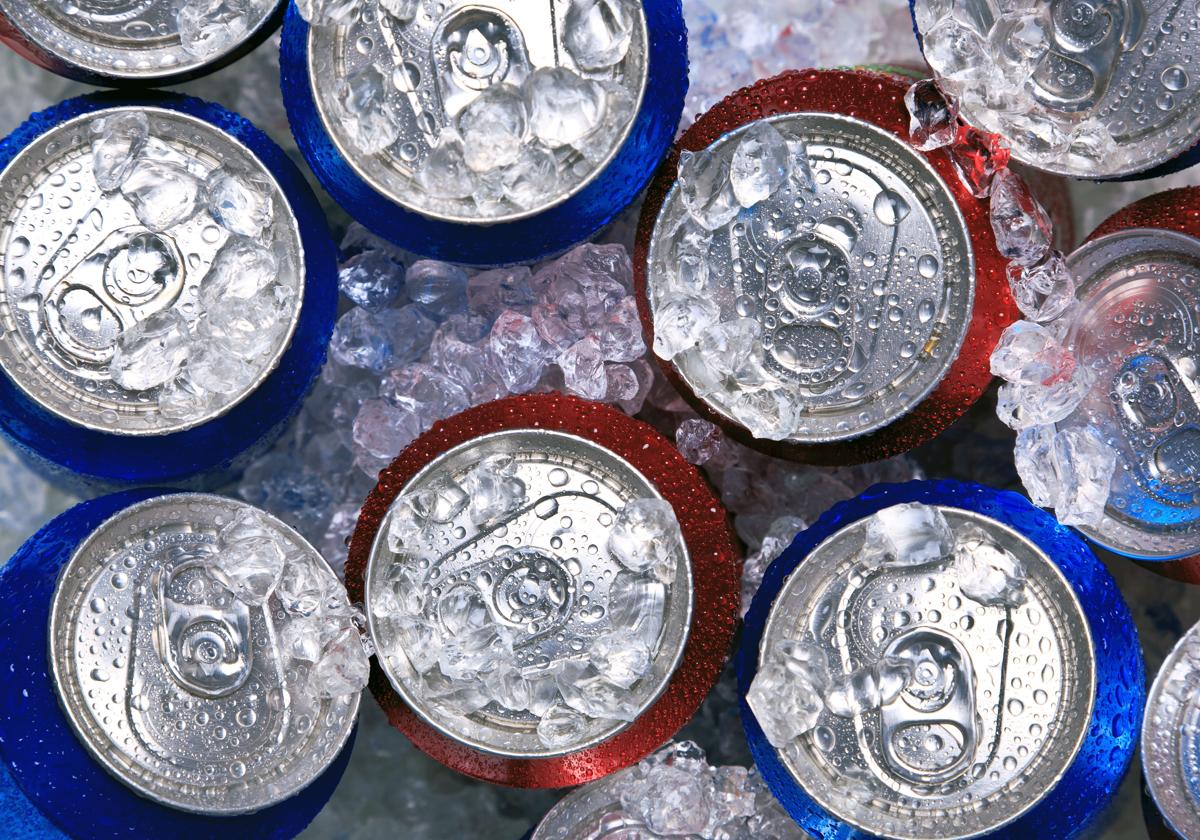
{"type": "Point", "coordinates": [203, 632]}
{"type": "Point", "coordinates": [1159, 412]}
{"type": "Point", "coordinates": [474, 49]}
{"type": "Point", "coordinates": [929, 731]}
{"type": "Point", "coordinates": [1086, 41]}
{"type": "Point", "coordinates": [132, 274]}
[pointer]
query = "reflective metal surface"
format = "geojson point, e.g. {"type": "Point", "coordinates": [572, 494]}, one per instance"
{"type": "Point", "coordinates": [438, 63]}
{"type": "Point", "coordinates": [574, 489]}
{"type": "Point", "coordinates": [136, 40]}
{"type": "Point", "coordinates": [1137, 329]}
{"type": "Point", "coordinates": [999, 701]}
{"type": "Point", "coordinates": [176, 687]}
{"type": "Point", "coordinates": [78, 269]}
{"type": "Point", "coordinates": [864, 287]}
{"type": "Point", "coordinates": [1171, 737]}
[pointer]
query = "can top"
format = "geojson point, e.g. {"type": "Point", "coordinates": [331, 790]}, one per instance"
{"type": "Point", "coordinates": [1103, 89]}
{"type": "Point", "coordinates": [136, 40]}
{"type": "Point", "coordinates": [530, 593]}
{"type": "Point", "coordinates": [1171, 737]}
{"type": "Point", "coordinates": [136, 239]}
{"type": "Point", "coordinates": [177, 637]}
{"type": "Point", "coordinates": [810, 276]}
{"type": "Point", "coordinates": [480, 113]}
{"type": "Point", "coordinates": [960, 673]}
{"type": "Point", "coordinates": [1136, 330]}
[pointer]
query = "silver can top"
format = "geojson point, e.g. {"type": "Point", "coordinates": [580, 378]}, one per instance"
{"type": "Point", "coordinates": [1137, 330]}
{"type": "Point", "coordinates": [952, 669]}
{"type": "Point", "coordinates": [810, 276]}
{"type": "Point", "coordinates": [1086, 89]}
{"type": "Point", "coordinates": [137, 40]}
{"type": "Point", "coordinates": [480, 112]}
{"type": "Point", "coordinates": [153, 271]}
{"type": "Point", "coordinates": [1171, 737]}
{"type": "Point", "coordinates": [529, 593]}
{"type": "Point", "coordinates": [177, 672]}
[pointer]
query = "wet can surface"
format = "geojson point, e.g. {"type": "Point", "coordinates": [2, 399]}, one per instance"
{"type": "Point", "coordinates": [94, 273]}
{"type": "Point", "coordinates": [136, 43]}
{"type": "Point", "coordinates": [835, 313]}
{"type": "Point", "coordinates": [1090, 90]}
{"type": "Point", "coordinates": [519, 637]}
{"type": "Point", "coordinates": [1170, 752]}
{"type": "Point", "coordinates": [1135, 330]}
{"type": "Point", "coordinates": [163, 697]}
{"type": "Point", "coordinates": [984, 676]}
{"type": "Point", "coordinates": [487, 133]}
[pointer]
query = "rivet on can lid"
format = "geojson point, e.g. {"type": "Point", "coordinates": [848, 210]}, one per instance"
{"type": "Point", "coordinates": [149, 224]}
{"type": "Point", "coordinates": [179, 672]}
{"type": "Point", "coordinates": [498, 582]}
{"type": "Point", "coordinates": [1136, 331]}
{"type": "Point", "coordinates": [1102, 90]}
{"type": "Point", "coordinates": [810, 277]}
{"type": "Point", "coordinates": [952, 668]}
{"type": "Point", "coordinates": [135, 41]}
{"type": "Point", "coordinates": [481, 113]}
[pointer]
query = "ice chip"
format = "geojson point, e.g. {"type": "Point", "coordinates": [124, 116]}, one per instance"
{"type": "Point", "coordinates": [1045, 290]}
{"type": "Point", "coordinates": [620, 335]}
{"type": "Point", "coordinates": [532, 178]}
{"type": "Point", "coordinates": [698, 440]}
{"type": "Point", "coordinates": [329, 12]}
{"type": "Point", "coordinates": [343, 667]}
{"type": "Point", "coordinates": [560, 726]}
{"type": "Point", "coordinates": [240, 270]}
{"type": "Point", "coordinates": [706, 189]}
{"type": "Point", "coordinates": [1034, 457]}
{"type": "Point", "coordinates": [425, 391]}
{"type": "Point", "coordinates": [439, 289]}
{"type": "Point", "coordinates": [493, 488]}
{"type": "Point", "coordinates": [240, 202]}
{"type": "Point", "coordinates": [519, 353]}
{"type": "Point", "coordinates": [583, 369]}
{"type": "Point", "coordinates": [117, 139]}
{"type": "Point", "coordinates": [800, 167]}
{"type": "Point", "coordinates": [361, 339]}
{"type": "Point", "coordinates": [909, 534]}
{"type": "Point", "coordinates": [381, 430]}
{"type": "Point", "coordinates": [1021, 225]}
{"type": "Point", "coordinates": [931, 122]}
{"type": "Point", "coordinates": [1031, 354]}
{"type": "Point", "coordinates": [622, 657]}
{"type": "Point", "coordinates": [680, 322]}
{"type": "Point", "coordinates": [249, 559]}
{"type": "Point", "coordinates": [1085, 463]}
{"type": "Point", "coordinates": [162, 194]}
{"type": "Point", "coordinates": [988, 574]}
{"type": "Point", "coordinates": [786, 705]}
{"type": "Point", "coordinates": [564, 107]}
{"type": "Point", "coordinates": [303, 586]}
{"type": "Point", "coordinates": [444, 172]}
{"type": "Point", "coordinates": [248, 329]}
{"type": "Point", "coordinates": [597, 33]}
{"type": "Point", "coordinates": [645, 538]}
{"type": "Point", "coordinates": [372, 279]}
{"type": "Point", "coordinates": [493, 128]}
{"type": "Point", "coordinates": [584, 689]}
{"type": "Point", "coordinates": [366, 115]}
{"type": "Point", "coordinates": [151, 352]}
{"type": "Point", "coordinates": [209, 28]}
{"type": "Point", "coordinates": [760, 164]}
{"type": "Point", "coordinates": [869, 687]}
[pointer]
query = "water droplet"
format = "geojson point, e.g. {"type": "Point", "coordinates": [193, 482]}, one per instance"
{"type": "Point", "coordinates": [546, 508]}
{"type": "Point", "coordinates": [1174, 78]}
{"type": "Point", "coordinates": [557, 477]}
{"type": "Point", "coordinates": [925, 311]}
{"type": "Point", "coordinates": [19, 247]}
{"type": "Point", "coordinates": [98, 605]}
{"type": "Point", "coordinates": [890, 208]}
{"type": "Point", "coordinates": [927, 266]}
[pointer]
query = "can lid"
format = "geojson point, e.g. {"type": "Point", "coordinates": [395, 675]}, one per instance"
{"type": "Point", "coordinates": [179, 652]}
{"type": "Point", "coordinates": [549, 587]}
{"type": "Point", "coordinates": [813, 282]}
{"type": "Point", "coordinates": [945, 669]}
{"type": "Point", "coordinates": [1110, 90]}
{"type": "Point", "coordinates": [479, 113]}
{"type": "Point", "coordinates": [135, 41]}
{"type": "Point", "coordinates": [153, 270]}
{"type": "Point", "coordinates": [1171, 737]}
{"type": "Point", "coordinates": [1136, 330]}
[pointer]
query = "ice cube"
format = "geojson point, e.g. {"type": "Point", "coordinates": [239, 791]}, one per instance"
{"type": "Point", "coordinates": [1045, 290]}
{"type": "Point", "coordinates": [564, 107]}
{"type": "Point", "coordinates": [329, 12]}
{"type": "Point", "coordinates": [519, 354]}
{"type": "Point", "coordinates": [240, 202]}
{"type": "Point", "coordinates": [493, 128]}
{"type": "Point", "coordinates": [786, 705]}
{"type": "Point", "coordinates": [645, 538]}
{"type": "Point", "coordinates": [988, 574]}
{"type": "Point", "coordinates": [151, 352]}
{"type": "Point", "coordinates": [931, 122]}
{"type": "Point", "coordinates": [439, 289]}
{"type": "Point", "coordinates": [1021, 225]}
{"type": "Point", "coordinates": [760, 164]}
{"type": "Point", "coordinates": [211, 27]}
{"type": "Point", "coordinates": [1085, 463]}
{"type": "Point", "coordinates": [597, 33]}
{"type": "Point", "coordinates": [493, 488]}
{"type": "Point", "coordinates": [680, 322]}
{"type": "Point", "coordinates": [908, 534]}
{"type": "Point", "coordinates": [117, 139]}
{"type": "Point", "coordinates": [560, 726]}
{"type": "Point", "coordinates": [705, 187]}
{"type": "Point", "coordinates": [372, 279]}
{"type": "Point", "coordinates": [532, 178]}
{"type": "Point", "coordinates": [698, 440]}
{"type": "Point", "coordinates": [250, 328]}
{"type": "Point", "coordinates": [249, 558]}
{"type": "Point", "coordinates": [621, 656]}
{"type": "Point", "coordinates": [868, 687]}
{"type": "Point", "coordinates": [366, 114]}
{"type": "Point", "coordinates": [444, 173]}
{"type": "Point", "coordinates": [344, 667]}
{"type": "Point", "coordinates": [583, 369]}
{"type": "Point", "coordinates": [240, 270]}
{"type": "Point", "coordinates": [162, 194]}
{"type": "Point", "coordinates": [1034, 457]}
{"type": "Point", "coordinates": [584, 689]}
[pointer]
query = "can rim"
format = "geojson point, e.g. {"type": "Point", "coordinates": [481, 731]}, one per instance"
{"type": "Point", "coordinates": [38, 53]}
{"type": "Point", "coordinates": [878, 99]}
{"type": "Point", "coordinates": [285, 339]}
{"type": "Point", "coordinates": [1110, 740]}
{"type": "Point", "coordinates": [1184, 822]}
{"type": "Point", "coordinates": [716, 567]}
{"type": "Point", "coordinates": [60, 612]}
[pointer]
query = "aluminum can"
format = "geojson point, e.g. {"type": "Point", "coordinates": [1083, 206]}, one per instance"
{"type": "Point", "coordinates": [1169, 751]}
{"type": "Point", "coordinates": [1135, 329]}
{"type": "Point", "coordinates": [136, 43]}
{"type": "Point", "coordinates": [1022, 684]}
{"type": "Point", "coordinates": [544, 572]}
{"type": "Point", "coordinates": [81, 268]}
{"type": "Point", "coordinates": [1123, 66]}
{"type": "Point", "coordinates": [162, 699]}
{"type": "Point", "coordinates": [872, 288]}
{"type": "Point", "coordinates": [414, 86]}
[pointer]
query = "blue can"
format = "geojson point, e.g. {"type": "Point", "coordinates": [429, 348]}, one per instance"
{"type": "Point", "coordinates": [952, 662]}
{"type": "Point", "coordinates": [487, 133]}
{"type": "Point", "coordinates": [145, 339]}
{"type": "Point", "coordinates": [83, 775]}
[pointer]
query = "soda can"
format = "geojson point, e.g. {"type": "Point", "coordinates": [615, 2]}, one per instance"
{"type": "Point", "coordinates": [136, 43]}
{"type": "Point", "coordinates": [842, 308]}
{"type": "Point", "coordinates": [144, 695]}
{"type": "Point", "coordinates": [1170, 764]}
{"type": "Point", "coordinates": [1098, 91]}
{"type": "Point", "coordinates": [949, 662]}
{"type": "Point", "coordinates": [1135, 328]}
{"type": "Point", "coordinates": [487, 133]}
{"type": "Point", "coordinates": [550, 587]}
{"type": "Point", "coordinates": [241, 308]}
